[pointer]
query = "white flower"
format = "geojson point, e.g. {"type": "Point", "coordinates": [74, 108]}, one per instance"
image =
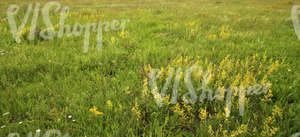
{"type": "Point", "coordinates": [20, 123]}
{"type": "Point", "coordinates": [3, 126]}
{"type": "Point", "coordinates": [74, 120]}
{"type": "Point", "coordinates": [70, 116]}
{"type": "Point", "coordinates": [289, 70]}
{"type": "Point", "coordinates": [4, 114]}
{"type": "Point", "coordinates": [38, 131]}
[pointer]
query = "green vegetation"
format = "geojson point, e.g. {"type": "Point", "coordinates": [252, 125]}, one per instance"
{"type": "Point", "coordinates": [53, 84]}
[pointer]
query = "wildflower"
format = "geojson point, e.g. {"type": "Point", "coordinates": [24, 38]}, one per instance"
{"type": "Point", "coordinates": [20, 123]}
{"type": "Point", "coordinates": [241, 130]}
{"type": "Point", "coordinates": [212, 36]}
{"type": "Point", "coordinates": [73, 120]}
{"type": "Point", "coordinates": [136, 110]}
{"type": "Point", "coordinates": [175, 24]}
{"type": "Point", "coordinates": [109, 104]}
{"type": "Point", "coordinates": [265, 57]}
{"type": "Point", "coordinates": [127, 91]}
{"type": "Point", "coordinates": [122, 34]}
{"type": "Point", "coordinates": [145, 88]}
{"type": "Point", "coordinates": [203, 114]}
{"type": "Point", "coordinates": [268, 96]}
{"type": "Point", "coordinates": [186, 59]}
{"type": "Point", "coordinates": [178, 110]}
{"type": "Point", "coordinates": [277, 111]}
{"type": "Point", "coordinates": [224, 32]}
{"type": "Point", "coordinates": [227, 111]}
{"type": "Point", "coordinates": [161, 72]}
{"type": "Point", "coordinates": [70, 116]}
{"type": "Point", "coordinates": [210, 131]}
{"type": "Point", "coordinates": [273, 67]}
{"type": "Point", "coordinates": [167, 99]}
{"type": "Point", "coordinates": [94, 110]}
{"type": "Point", "coordinates": [3, 126]}
{"type": "Point", "coordinates": [38, 131]}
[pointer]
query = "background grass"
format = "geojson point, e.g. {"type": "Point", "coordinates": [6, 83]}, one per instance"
{"type": "Point", "coordinates": [44, 82]}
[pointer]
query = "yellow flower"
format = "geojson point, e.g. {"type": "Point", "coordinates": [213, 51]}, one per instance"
{"type": "Point", "coordinates": [210, 131]}
{"type": "Point", "coordinates": [109, 104]}
{"type": "Point", "coordinates": [212, 36]}
{"type": "Point", "coordinates": [127, 91]}
{"type": "Point", "coordinates": [94, 110]}
{"type": "Point", "coordinates": [122, 34]}
{"type": "Point", "coordinates": [277, 111]}
{"type": "Point", "coordinates": [225, 32]}
{"type": "Point", "coordinates": [203, 114]}
{"type": "Point", "coordinates": [136, 110]}
{"type": "Point", "coordinates": [178, 110]}
{"type": "Point", "coordinates": [241, 130]}
{"type": "Point", "coordinates": [167, 99]}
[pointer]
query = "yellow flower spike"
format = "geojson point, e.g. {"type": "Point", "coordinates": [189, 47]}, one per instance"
{"type": "Point", "coordinates": [161, 72]}
{"type": "Point", "coordinates": [212, 36]}
{"type": "Point", "coordinates": [167, 99]}
{"type": "Point", "coordinates": [136, 110]}
{"type": "Point", "coordinates": [203, 114]}
{"type": "Point", "coordinates": [109, 104]}
{"type": "Point", "coordinates": [122, 33]}
{"type": "Point", "coordinates": [210, 131]}
{"type": "Point", "coordinates": [265, 57]}
{"type": "Point", "coordinates": [223, 75]}
{"type": "Point", "coordinates": [127, 91]}
{"type": "Point", "coordinates": [277, 112]}
{"type": "Point", "coordinates": [177, 109]}
{"type": "Point", "coordinates": [94, 110]}
{"type": "Point", "coordinates": [186, 59]}
{"type": "Point", "coordinates": [145, 88]}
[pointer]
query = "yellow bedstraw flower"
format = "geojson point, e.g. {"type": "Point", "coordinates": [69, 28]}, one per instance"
{"type": "Point", "coordinates": [225, 32]}
{"type": "Point", "coordinates": [277, 111]}
{"type": "Point", "coordinates": [122, 34]}
{"type": "Point", "coordinates": [94, 110]}
{"type": "Point", "coordinates": [167, 99]}
{"type": "Point", "coordinates": [241, 130]}
{"type": "Point", "coordinates": [186, 59]}
{"type": "Point", "coordinates": [145, 88]}
{"type": "Point", "coordinates": [136, 110]}
{"type": "Point", "coordinates": [178, 110]}
{"type": "Point", "coordinates": [212, 36]}
{"type": "Point", "coordinates": [273, 67]}
{"type": "Point", "coordinates": [203, 114]}
{"type": "Point", "coordinates": [210, 131]}
{"type": "Point", "coordinates": [127, 91]}
{"type": "Point", "coordinates": [109, 104]}
{"type": "Point", "coordinates": [162, 70]}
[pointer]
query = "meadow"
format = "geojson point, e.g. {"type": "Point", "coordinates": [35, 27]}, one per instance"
{"type": "Point", "coordinates": [55, 84]}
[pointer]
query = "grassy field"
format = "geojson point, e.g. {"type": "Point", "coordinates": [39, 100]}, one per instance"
{"type": "Point", "coordinates": [54, 84]}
